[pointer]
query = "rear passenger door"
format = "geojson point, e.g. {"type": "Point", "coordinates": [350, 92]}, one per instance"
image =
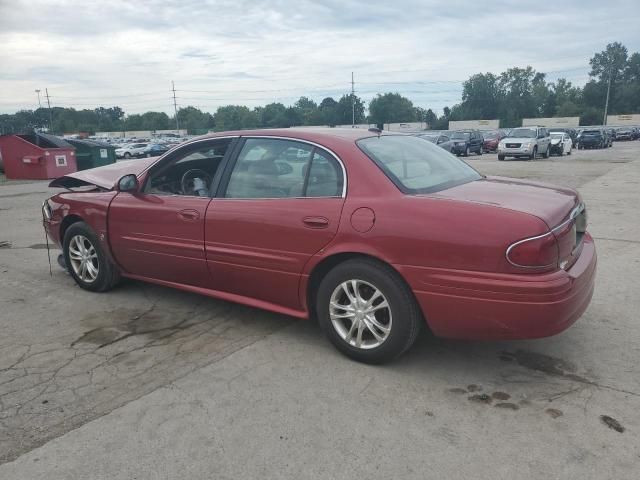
{"type": "Point", "coordinates": [279, 203]}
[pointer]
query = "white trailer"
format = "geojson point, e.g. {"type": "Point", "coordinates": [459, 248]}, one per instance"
{"type": "Point", "coordinates": [623, 120]}
{"type": "Point", "coordinates": [560, 122]}
{"type": "Point", "coordinates": [474, 124]}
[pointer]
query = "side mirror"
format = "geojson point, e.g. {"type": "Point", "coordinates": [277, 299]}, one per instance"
{"type": "Point", "coordinates": [128, 183]}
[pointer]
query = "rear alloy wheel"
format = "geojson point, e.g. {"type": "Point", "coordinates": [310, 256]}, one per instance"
{"type": "Point", "coordinates": [547, 152]}
{"type": "Point", "coordinates": [86, 261]}
{"type": "Point", "coordinates": [367, 311]}
{"type": "Point", "coordinates": [466, 151]}
{"type": "Point", "coordinates": [127, 155]}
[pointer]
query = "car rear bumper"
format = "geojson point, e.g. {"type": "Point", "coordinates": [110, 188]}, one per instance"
{"type": "Point", "coordinates": [488, 306]}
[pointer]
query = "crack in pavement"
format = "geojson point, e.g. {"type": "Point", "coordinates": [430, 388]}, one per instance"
{"type": "Point", "coordinates": [49, 389]}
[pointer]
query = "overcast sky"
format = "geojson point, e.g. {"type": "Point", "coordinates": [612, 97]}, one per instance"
{"type": "Point", "coordinates": [254, 52]}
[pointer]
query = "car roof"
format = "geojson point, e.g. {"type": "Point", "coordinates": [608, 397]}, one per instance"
{"type": "Point", "coordinates": [319, 135]}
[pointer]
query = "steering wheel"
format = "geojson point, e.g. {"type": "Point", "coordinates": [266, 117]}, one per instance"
{"type": "Point", "coordinates": [187, 182]}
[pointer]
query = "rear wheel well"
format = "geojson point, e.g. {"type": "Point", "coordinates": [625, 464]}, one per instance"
{"type": "Point", "coordinates": [66, 223]}
{"type": "Point", "coordinates": [320, 270]}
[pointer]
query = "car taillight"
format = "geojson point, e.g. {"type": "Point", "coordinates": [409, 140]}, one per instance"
{"type": "Point", "coordinates": [536, 252]}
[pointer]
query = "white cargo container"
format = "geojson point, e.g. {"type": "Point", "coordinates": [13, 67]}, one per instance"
{"type": "Point", "coordinates": [474, 124]}
{"type": "Point", "coordinates": [561, 122]}
{"type": "Point", "coordinates": [623, 120]}
{"type": "Point", "coordinates": [405, 127]}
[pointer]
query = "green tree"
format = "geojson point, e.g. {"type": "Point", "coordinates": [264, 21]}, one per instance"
{"type": "Point", "coordinates": [391, 108]}
{"type": "Point", "coordinates": [155, 121]}
{"type": "Point", "coordinates": [235, 117]}
{"type": "Point", "coordinates": [344, 110]}
{"type": "Point", "coordinates": [193, 119]}
{"type": "Point", "coordinates": [327, 110]}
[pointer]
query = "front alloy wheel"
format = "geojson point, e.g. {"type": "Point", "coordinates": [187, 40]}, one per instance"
{"type": "Point", "coordinates": [84, 258]}
{"type": "Point", "coordinates": [360, 314]}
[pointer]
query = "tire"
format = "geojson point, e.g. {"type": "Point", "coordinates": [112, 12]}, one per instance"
{"type": "Point", "coordinates": [466, 151]}
{"type": "Point", "coordinates": [547, 152]}
{"type": "Point", "coordinates": [78, 236]}
{"type": "Point", "coordinates": [480, 150]}
{"type": "Point", "coordinates": [127, 155]}
{"type": "Point", "coordinates": [402, 313]}
{"type": "Point", "coordinates": [569, 152]}
{"type": "Point", "coordinates": [533, 154]}
{"type": "Point", "coordinates": [501, 157]}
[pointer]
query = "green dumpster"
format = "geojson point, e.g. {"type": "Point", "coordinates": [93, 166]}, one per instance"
{"type": "Point", "coordinates": [91, 154]}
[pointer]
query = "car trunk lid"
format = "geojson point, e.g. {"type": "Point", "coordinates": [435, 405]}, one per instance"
{"type": "Point", "coordinates": [103, 177]}
{"type": "Point", "coordinates": [559, 207]}
{"type": "Point", "coordinates": [550, 203]}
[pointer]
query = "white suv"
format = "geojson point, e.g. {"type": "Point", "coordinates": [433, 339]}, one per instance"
{"type": "Point", "coordinates": [131, 150]}
{"type": "Point", "coordinates": [525, 142]}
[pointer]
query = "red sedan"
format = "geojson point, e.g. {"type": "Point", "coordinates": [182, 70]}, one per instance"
{"type": "Point", "coordinates": [376, 235]}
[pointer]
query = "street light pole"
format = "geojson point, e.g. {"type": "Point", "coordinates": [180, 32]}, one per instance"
{"type": "Point", "coordinates": [606, 105]}
{"type": "Point", "coordinates": [39, 104]}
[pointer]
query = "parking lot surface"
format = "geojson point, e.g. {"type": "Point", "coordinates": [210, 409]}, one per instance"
{"type": "Point", "coordinates": [148, 382]}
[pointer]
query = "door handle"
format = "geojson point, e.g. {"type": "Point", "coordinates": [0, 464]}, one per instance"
{"type": "Point", "coordinates": [316, 222]}
{"type": "Point", "coordinates": [188, 215]}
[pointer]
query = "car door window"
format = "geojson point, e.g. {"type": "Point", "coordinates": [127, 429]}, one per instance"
{"type": "Point", "coordinates": [324, 178]}
{"type": "Point", "coordinates": [189, 171]}
{"type": "Point", "coordinates": [273, 168]}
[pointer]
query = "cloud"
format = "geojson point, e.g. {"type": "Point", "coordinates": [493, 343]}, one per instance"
{"type": "Point", "coordinates": [255, 52]}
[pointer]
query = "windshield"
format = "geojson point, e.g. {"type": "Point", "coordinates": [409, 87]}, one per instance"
{"type": "Point", "coordinates": [591, 132]}
{"type": "Point", "coordinates": [523, 133]}
{"type": "Point", "coordinates": [556, 135]}
{"type": "Point", "coordinates": [415, 166]}
{"type": "Point", "coordinates": [491, 135]}
{"type": "Point", "coordinates": [459, 136]}
{"type": "Point", "coordinates": [431, 138]}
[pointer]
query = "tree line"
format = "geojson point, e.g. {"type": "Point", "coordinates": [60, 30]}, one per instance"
{"type": "Point", "coordinates": [510, 96]}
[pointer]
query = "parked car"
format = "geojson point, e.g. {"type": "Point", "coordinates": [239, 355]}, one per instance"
{"type": "Point", "coordinates": [371, 236]}
{"type": "Point", "coordinates": [466, 142]}
{"type": "Point", "coordinates": [155, 150]}
{"type": "Point", "coordinates": [131, 150]}
{"type": "Point", "coordinates": [572, 132]}
{"type": "Point", "coordinates": [561, 143]}
{"type": "Point", "coordinates": [624, 133]}
{"type": "Point", "coordinates": [443, 141]}
{"type": "Point", "coordinates": [593, 138]}
{"type": "Point", "coordinates": [492, 139]}
{"type": "Point", "coordinates": [525, 142]}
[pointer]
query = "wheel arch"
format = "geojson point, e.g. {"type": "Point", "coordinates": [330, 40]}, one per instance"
{"type": "Point", "coordinates": [327, 263]}
{"type": "Point", "coordinates": [67, 221]}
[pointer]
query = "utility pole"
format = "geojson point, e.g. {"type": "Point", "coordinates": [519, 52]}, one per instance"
{"type": "Point", "coordinates": [606, 105]}
{"type": "Point", "coordinates": [39, 104]}
{"type": "Point", "coordinates": [353, 103]}
{"type": "Point", "coordinates": [175, 105]}
{"type": "Point", "coordinates": [46, 90]}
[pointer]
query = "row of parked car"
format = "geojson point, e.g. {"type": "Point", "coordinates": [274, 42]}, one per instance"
{"type": "Point", "coordinates": [528, 142]}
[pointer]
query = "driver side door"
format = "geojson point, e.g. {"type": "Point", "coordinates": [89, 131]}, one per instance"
{"type": "Point", "coordinates": [158, 231]}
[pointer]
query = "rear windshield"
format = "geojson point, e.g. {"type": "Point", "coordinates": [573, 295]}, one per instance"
{"type": "Point", "coordinates": [416, 166]}
{"type": "Point", "coordinates": [591, 132]}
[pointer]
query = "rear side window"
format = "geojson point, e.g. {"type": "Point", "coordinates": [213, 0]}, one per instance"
{"type": "Point", "coordinates": [273, 168]}
{"type": "Point", "coordinates": [416, 166]}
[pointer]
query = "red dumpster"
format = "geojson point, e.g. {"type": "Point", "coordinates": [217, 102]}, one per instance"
{"type": "Point", "coordinates": [36, 156]}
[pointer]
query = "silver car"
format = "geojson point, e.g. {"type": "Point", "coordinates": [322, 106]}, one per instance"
{"type": "Point", "coordinates": [525, 142]}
